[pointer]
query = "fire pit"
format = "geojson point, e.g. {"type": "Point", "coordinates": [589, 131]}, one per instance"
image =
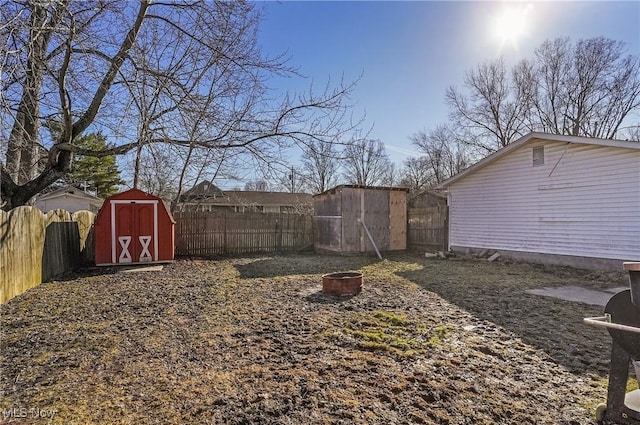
{"type": "Point", "coordinates": [342, 284]}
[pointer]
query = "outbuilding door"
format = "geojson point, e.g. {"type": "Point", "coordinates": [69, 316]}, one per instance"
{"type": "Point", "coordinates": [134, 231]}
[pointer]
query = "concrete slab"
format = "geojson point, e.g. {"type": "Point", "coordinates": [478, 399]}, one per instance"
{"type": "Point", "coordinates": [577, 294]}
{"type": "Point", "coordinates": [616, 290]}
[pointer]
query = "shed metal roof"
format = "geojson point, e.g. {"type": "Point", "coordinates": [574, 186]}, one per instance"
{"type": "Point", "coordinates": [357, 186]}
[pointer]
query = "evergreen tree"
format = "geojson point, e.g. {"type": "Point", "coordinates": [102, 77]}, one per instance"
{"type": "Point", "coordinates": [101, 174]}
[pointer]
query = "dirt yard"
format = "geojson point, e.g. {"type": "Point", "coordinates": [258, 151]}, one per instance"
{"type": "Point", "coordinates": [254, 340]}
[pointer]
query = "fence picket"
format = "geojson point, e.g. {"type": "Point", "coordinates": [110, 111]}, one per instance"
{"type": "Point", "coordinates": [427, 228]}
{"type": "Point", "coordinates": [23, 232]}
{"type": "Point", "coordinates": [222, 233]}
{"type": "Point", "coordinates": [35, 247]}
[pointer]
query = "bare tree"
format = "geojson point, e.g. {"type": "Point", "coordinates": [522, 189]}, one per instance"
{"type": "Point", "coordinates": [416, 175]}
{"type": "Point", "coordinates": [366, 162]}
{"type": "Point", "coordinates": [192, 74]}
{"type": "Point", "coordinates": [191, 103]}
{"type": "Point", "coordinates": [158, 176]}
{"type": "Point", "coordinates": [586, 89]}
{"type": "Point", "coordinates": [444, 153]}
{"type": "Point", "coordinates": [490, 109]}
{"type": "Point", "coordinates": [631, 133]}
{"type": "Point", "coordinates": [392, 176]}
{"type": "Point", "coordinates": [292, 180]}
{"type": "Point", "coordinates": [321, 163]}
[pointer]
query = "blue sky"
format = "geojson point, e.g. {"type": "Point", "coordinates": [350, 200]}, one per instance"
{"type": "Point", "coordinates": [409, 52]}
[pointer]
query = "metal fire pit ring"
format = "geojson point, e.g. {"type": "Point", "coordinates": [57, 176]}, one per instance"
{"type": "Point", "coordinates": [342, 284]}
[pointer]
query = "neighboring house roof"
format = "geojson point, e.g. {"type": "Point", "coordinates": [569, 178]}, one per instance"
{"type": "Point", "coordinates": [233, 197]}
{"type": "Point", "coordinates": [532, 137]}
{"type": "Point", "coordinates": [208, 193]}
{"type": "Point", "coordinates": [204, 189]}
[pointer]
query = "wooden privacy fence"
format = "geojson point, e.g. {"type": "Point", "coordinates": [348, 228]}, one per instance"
{"type": "Point", "coordinates": [34, 247]}
{"type": "Point", "coordinates": [203, 234]}
{"type": "Point", "coordinates": [65, 242]}
{"type": "Point", "coordinates": [428, 228]}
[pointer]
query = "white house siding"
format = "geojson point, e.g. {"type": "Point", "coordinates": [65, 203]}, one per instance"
{"type": "Point", "coordinates": [584, 201]}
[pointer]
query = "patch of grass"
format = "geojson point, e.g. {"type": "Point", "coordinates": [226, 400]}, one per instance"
{"type": "Point", "coordinates": [390, 332]}
{"type": "Point", "coordinates": [391, 318]}
{"type": "Point", "coordinates": [376, 346]}
{"type": "Point", "coordinates": [603, 382]}
{"type": "Point", "coordinates": [329, 333]}
{"type": "Point", "coordinates": [441, 333]}
{"type": "Point", "coordinates": [389, 269]}
{"type": "Point", "coordinates": [390, 341]}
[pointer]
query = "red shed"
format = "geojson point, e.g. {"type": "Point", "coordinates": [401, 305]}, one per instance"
{"type": "Point", "coordinates": [134, 227]}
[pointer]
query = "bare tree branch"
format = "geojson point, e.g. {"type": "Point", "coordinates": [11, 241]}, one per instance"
{"type": "Point", "coordinates": [188, 75]}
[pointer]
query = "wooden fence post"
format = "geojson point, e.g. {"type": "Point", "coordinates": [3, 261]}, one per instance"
{"type": "Point", "coordinates": [278, 234]}
{"type": "Point", "coordinates": [224, 221]}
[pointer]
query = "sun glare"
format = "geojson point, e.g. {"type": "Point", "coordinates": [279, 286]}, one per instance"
{"type": "Point", "coordinates": [512, 24]}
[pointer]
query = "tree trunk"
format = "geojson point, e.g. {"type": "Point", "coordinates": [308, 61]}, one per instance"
{"type": "Point", "coordinates": [22, 150]}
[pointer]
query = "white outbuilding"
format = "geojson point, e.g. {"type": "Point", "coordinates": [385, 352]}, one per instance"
{"type": "Point", "coordinates": [68, 198]}
{"type": "Point", "coordinates": [551, 198]}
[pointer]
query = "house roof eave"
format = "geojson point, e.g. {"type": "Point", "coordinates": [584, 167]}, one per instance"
{"type": "Point", "coordinates": [69, 191]}
{"type": "Point", "coordinates": [531, 137]}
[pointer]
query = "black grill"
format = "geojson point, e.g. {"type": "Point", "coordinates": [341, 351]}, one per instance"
{"type": "Point", "coordinates": [622, 320]}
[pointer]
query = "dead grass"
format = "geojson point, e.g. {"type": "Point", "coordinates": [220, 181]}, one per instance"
{"type": "Point", "coordinates": [253, 340]}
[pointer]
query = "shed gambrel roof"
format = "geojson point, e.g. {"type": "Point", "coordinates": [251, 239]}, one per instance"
{"type": "Point", "coordinates": [533, 137]}
{"type": "Point", "coordinates": [137, 194]}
